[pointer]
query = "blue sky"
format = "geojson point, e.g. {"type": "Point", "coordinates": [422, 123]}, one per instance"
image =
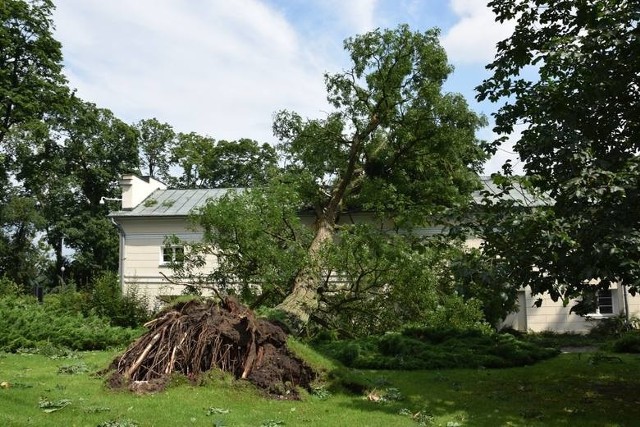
{"type": "Point", "coordinates": [223, 67]}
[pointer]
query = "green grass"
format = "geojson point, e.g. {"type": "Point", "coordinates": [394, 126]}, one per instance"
{"type": "Point", "coordinates": [571, 389]}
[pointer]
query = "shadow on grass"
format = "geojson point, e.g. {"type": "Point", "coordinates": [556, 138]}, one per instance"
{"type": "Point", "coordinates": [586, 389]}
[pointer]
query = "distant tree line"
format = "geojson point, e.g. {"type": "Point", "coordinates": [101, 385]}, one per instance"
{"type": "Point", "coordinates": [60, 154]}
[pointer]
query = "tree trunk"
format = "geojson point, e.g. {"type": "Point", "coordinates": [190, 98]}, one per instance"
{"type": "Point", "coordinates": [303, 298]}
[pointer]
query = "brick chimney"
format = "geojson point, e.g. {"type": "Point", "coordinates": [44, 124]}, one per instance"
{"type": "Point", "coordinates": [135, 189]}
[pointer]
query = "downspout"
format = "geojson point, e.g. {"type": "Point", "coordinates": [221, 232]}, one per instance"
{"type": "Point", "coordinates": [626, 302]}
{"type": "Point", "coordinates": [121, 235]}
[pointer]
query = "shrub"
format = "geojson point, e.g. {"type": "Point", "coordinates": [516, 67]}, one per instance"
{"type": "Point", "coordinates": [559, 340]}
{"type": "Point", "coordinates": [615, 326]}
{"type": "Point", "coordinates": [628, 343]}
{"type": "Point", "coordinates": [8, 287]}
{"type": "Point", "coordinates": [107, 300]}
{"type": "Point", "coordinates": [424, 349]}
{"type": "Point", "coordinates": [455, 313]}
{"type": "Point", "coordinates": [26, 323]}
{"type": "Point", "coordinates": [66, 299]}
{"type": "Point", "coordinates": [104, 299]}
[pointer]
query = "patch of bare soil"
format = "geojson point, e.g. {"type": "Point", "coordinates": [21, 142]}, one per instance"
{"type": "Point", "coordinates": [195, 337]}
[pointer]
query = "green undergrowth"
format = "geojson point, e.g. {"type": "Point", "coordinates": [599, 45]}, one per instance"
{"type": "Point", "coordinates": [629, 342]}
{"type": "Point", "coordinates": [562, 340]}
{"type": "Point", "coordinates": [27, 324]}
{"type": "Point", "coordinates": [425, 348]}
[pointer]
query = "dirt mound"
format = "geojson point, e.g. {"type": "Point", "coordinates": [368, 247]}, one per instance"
{"type": "Point", "coordinates": [194, 337]}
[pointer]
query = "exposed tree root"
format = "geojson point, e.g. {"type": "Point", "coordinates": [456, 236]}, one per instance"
{"type": "Point", "coordinates": [194, 337]}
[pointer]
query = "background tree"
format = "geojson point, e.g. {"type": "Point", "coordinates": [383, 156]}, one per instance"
{"type": "Point", "coordinates": [155, 141]}
{"type": "Point", "coordinates": [206, 163]}
{"type": "Point", "coordinates": [67, 166]}
{"type": "Point", "coordinates": [569, 73]}
{"type": "Point", "coordinates": [241, 163]}
{"type": "Point", "coordinates": [395, 146]}
{"type": "Point", "coordinates": [20, 256]}
{"type": "Point", "coordinates": [33, 92]}
{"type": "Point", "coordinates": [189, 155]}
{"type": "Point", "coordinates": [31, 81]}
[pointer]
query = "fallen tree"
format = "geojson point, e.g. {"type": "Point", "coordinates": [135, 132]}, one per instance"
{"type": "Point", "coordinates": [194, 337]}
{"type": "Point", "coordinates": [396, 152]}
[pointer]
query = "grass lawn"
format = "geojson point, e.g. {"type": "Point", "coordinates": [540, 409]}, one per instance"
{"type": "Point", "coordinates": [569, 390]}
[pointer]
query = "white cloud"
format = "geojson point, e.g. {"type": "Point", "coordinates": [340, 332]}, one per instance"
{"type": "Point", "coordinates": [473, 38]}
{"type": "Point", "coordinates": [357, 15]}
{"type": "Point", "coordinates": [221, 67]}
{"type": "Point", "coordinates": [215, 67]}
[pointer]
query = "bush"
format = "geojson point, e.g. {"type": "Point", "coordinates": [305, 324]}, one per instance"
{"type": "Point", "coordinates": [455, 313]}
{"type": "Point", "coordinates": [559, 340]}
{"type": "Point", "coordinates": [26, 323]}
{"type": "Point", "coordinates": [8, 287]}
{"type": "Point", "coordinates": [615, 326]}
{"type": "Point", "coordinates": [106, 299]}
{"type": "Point", "coordinates": [425, 349]}
{"type": "Point", "coordinates": [628, 343]}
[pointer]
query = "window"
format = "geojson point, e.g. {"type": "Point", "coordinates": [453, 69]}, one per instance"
{"type": "Point", "coordinates": [605, 302]}
{"type": "Point", "coordinates": [172, 254]}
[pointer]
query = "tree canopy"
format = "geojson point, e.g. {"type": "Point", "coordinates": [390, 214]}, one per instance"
{"type": "Point", "coordinates": [207, 163]}
{"type": "Point", "coordinates": [569, 75]}
{"type": "Point", "coordinates": [33, 92]}
{"type": "Point", "coordinates": [395, 146]}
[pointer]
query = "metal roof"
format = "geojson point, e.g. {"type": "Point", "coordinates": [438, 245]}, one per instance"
{"type": "Point", "coordinates": [517, 193]}
{"type": "Point", "coordinates": [183, 202]}
{"type": "Point", "coordinates": [173, 202]}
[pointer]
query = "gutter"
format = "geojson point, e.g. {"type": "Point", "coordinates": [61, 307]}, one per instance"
{"type": "Point", "coordinates": [121, 235]}
{"type": "Point", "coordinates": [626, 302]}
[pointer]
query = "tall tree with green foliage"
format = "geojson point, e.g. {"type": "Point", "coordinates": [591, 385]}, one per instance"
{"type": "Point", "coordinates": [33, 92]}
{"type": "Point", "coordinates": [395, 146]}
{"type": "Point", "coordinates": [189, 154]}
{"type": "Point", "coordinates": [20, 254]}
{"type": "Point", "coordinates": [155, 141]}
{"type": "Point", "coordinates": [241, 163]}
{"type": "Point", "coordinates": [67, 166]}
{"type": "Point", "coordinates": [32, 85]}
{"type": "Point", "coordinates": [207, 163]}
{"type": "Point", "coordinates": [570, 74]}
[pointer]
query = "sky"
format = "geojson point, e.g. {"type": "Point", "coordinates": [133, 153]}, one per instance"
{"type": "Point", "coordinates": [222, 68]}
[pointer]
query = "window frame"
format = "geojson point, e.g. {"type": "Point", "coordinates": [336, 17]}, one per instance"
{"type": "Point", "coordinates": [599, 304]}
{"type": "Point", "coordinates": [613, 297]}
{"type": "Point", "coordinates": [175, 252]}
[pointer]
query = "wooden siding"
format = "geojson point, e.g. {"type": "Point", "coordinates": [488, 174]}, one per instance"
{"type": "Point", "coordinates": [553, 316]}
{"type": "Point", "coordinates": [141, 260]}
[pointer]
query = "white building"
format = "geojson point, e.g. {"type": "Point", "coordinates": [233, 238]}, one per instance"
{"type": "Point", "coordinates": [150, 212]}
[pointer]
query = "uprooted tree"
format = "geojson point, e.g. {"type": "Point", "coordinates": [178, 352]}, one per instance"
{"type": "Point", "coordinates": [194, 337]}
{"type": "Point", "coordinates": [396, 147]}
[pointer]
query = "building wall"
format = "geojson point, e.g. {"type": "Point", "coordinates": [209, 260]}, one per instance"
{"type": "Point", "coordinates": [553, 316]}
{"type": "Point", "coordinates": [142, 267]}
{"type": "Point", "coordinates": [142, 271]}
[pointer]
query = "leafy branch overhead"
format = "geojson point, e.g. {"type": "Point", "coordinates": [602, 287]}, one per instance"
{"type": "Point", "coordinates": [568, 75]}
